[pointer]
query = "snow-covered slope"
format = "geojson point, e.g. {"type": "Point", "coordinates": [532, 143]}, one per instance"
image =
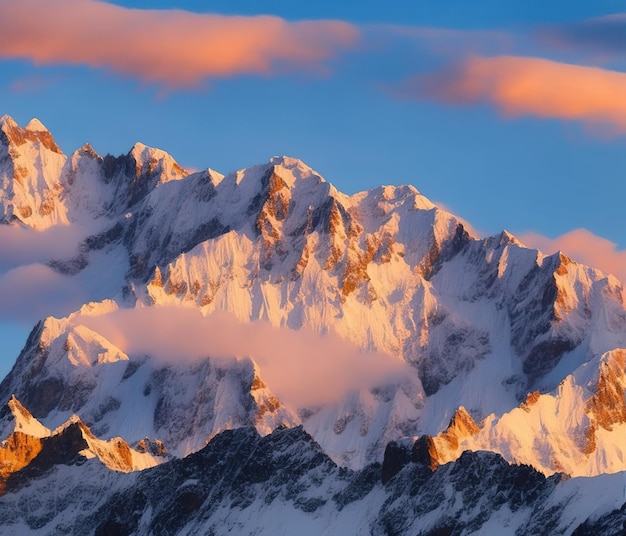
{"type": "Point", "coordinates": [574, 428]}
{"type": "Point", "coordinates": [69, 369]}
{"type": "Point", "coordinates": [41, 187]}
{"type": "Point", "coordinates": [408, 326]}
{"type": "Point", "coordinates": [30, 168]}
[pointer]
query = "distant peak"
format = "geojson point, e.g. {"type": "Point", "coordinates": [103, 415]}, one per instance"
{"type": "Point", "coordinates": [139, 148]}
{"type": "Point", "coordinates": [141, 151]}
{"type": "Point", "coordinates": [34, 132]}
{"type": "Point", "coordinates": [34, 125]}
{"type": "Point", "coordinates": [293, 169]}
{"type": "Point", "coordinates": [508, 238]}
{"type": "Point", "coordinates": [289, 162]}
{"type": "Point", "coordinates": [87, 149]}
{"type": "Point", "coordinates": [214, 176]}
{"type": "Point", "coordinates": [7, 120]}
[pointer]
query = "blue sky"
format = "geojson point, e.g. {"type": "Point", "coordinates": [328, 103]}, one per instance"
{"type": "Point", "coordinates": [359, 113]}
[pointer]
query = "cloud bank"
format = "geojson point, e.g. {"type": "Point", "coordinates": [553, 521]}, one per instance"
{"type": "Point", "coordinates": [521, 86]}
{"type": "Point", "coordinates": [585, 247]}
{"type": "Point", "coordinates": [173, 48]}
{"type": "Point", "coordinates": [301, 367]}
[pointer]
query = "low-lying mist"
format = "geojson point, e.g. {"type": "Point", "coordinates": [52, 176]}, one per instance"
{"type": "Point", "coordinates": [301, 367]}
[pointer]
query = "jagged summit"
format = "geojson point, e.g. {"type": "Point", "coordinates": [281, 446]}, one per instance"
{"type": "Point", "coordinates": [7, 121]}
{"type": "Point", "coordinates": [295, 169]}
{"type": "Point", "coordinates": [32, 449]}
{"type": "Point", "coordinates": [509, 238]}
{"type": "Point", "coordinates": [87, 148]}
{"type": "Point", "coordinates": [34, 131]}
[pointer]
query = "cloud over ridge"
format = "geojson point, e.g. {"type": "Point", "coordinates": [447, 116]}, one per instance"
{"type": "Point", "coordinates": [302, 367]}
{"type": "Point", "coordinates": [585, 247]}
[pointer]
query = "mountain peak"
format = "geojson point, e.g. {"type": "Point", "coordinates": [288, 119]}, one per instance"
{"type": "Point", "coordinates": [294, 169]}
{"type": "Point", "coordinates": [7, 120]}
{"type": "Point", "coordinates": [155, 161]}
{"type": "Point", "coordinates": [139, 150]}
{"type": "Point", "coordinates": [87, 148]}
{"type": "Point", "coordinates": [35, 131]}
{"type": "Point", "coordinates": [24, 421]}
{"type": "Point", "coordinates": [34, 125]}
{"type": "Point", "coordinates": [286, 161]}
{"type": "Point", "coordinates": [508, 238]}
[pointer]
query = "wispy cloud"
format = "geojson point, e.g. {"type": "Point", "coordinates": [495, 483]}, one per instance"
{"type": "Point", "coordinates": [300, 367]}
{"type": "Point", "coordinates": [32, 292]}
{"type": "Point", "coordinates": [601, 36]}
{"type": "Point", "coordinates": [20, 245]}
{"type": "Point", "coordinates": [29, 289]}
{"type": "Point", "coordinates": [440, 41]}
{"type": "Point", "coordinates": [520, 86]}
{"type": "Point", "coordinates": [173, 48]}
{"type": "Point", "coordinates": [585, 247]}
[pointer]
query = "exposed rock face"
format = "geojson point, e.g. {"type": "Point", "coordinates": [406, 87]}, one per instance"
{"type": "Point", "coordinates": [60, 448]}
{"type": "Point", "coordinates": [608, 404]}
{"type": "Point", "coordinates": [435, 451]}
{"type": "Point", "coordinates": [16, 452]}
{"type": "Point", "coordinates": [284, 481]}
{"type": "Point", "coordinates": [32, 450]}
{"type": "Point", "coordinates": [397, 455]}
{"type": "Point", "coordinates": [13, 134]}
{"type": "Point", "coordinates": [425, 452]}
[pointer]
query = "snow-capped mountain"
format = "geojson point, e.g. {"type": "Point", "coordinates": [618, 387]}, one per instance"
{"type": "Point", "coordinates": [267, 298]}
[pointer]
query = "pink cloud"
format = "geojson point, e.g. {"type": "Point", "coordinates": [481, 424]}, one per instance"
{"type": "Point", "coordinates": [520, 86]}
{"type": "Point", "coordinates": [301, 367]}
{"type": "Point", "coordinates": [20, 245]}
{"type": "Point", "coordinates": [585, 247]}
{"type": "Point", "coordinates": [29, 289]}
{"type": "Point", "coordinates": [34, 291]}
{"type": "Point", "coordinates": [174, 48]}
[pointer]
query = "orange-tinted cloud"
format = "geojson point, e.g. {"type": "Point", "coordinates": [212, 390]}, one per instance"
{"type": "Point", "coordinates": [173, 48]}
{"type": "Point", "coordinates": [585, 247]}
{"type": "Point", "coordinates": [520, 86]}
{"type": "Point", "coordinates": [301, 367]}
